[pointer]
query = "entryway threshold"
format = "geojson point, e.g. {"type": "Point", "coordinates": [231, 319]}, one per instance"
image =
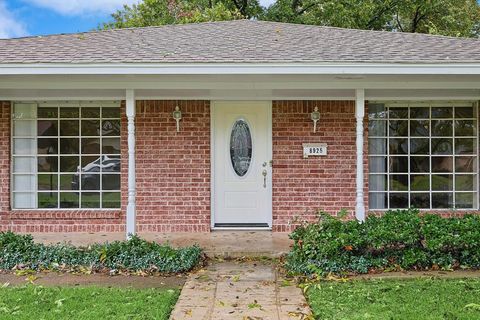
{"type": "Point", "coordinates": [241, 229]}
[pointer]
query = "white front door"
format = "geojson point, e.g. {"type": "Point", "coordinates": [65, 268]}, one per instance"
{"type": "Point", "coordinates": [241, 168]}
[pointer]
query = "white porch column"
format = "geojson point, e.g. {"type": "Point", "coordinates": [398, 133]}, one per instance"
{"type": "Point", "coordinates": [130, 104]}
{"type": "Point", "coordinates": [359, 114]}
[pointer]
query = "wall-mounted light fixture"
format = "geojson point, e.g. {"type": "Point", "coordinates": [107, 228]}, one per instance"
{"type": "Point", "coordinates": [177, 116]}
{"type": "Point", "coordinates": [315, 116]}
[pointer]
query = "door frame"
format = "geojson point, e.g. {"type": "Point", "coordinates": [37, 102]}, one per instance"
{"type": "Point", "coordinates": [213, 106]}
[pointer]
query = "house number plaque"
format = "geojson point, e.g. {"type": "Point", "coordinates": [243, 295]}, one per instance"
{"type": "Point", "coordinates": [314, 149]}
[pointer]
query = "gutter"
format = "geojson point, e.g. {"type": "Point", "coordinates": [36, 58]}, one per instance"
{"type": "Point", "coordinates": [241, 69]}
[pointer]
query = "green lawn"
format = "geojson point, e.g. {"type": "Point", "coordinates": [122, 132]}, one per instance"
{"type": "Point", "coordinates": [36, 302]}
{"type": "Point", "coordinates": [397, 299]}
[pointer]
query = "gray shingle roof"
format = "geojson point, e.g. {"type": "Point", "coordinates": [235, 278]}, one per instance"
{"type": "Point", "coordinates": [240, 41]}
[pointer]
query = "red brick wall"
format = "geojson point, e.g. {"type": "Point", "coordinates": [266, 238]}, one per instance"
{"type": "Point", "coordinates": [173, 168]}
{"type": "Point", "coordinates": [301, 187]}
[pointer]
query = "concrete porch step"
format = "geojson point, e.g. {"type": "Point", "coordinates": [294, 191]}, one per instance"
{"type": "Point", "coordinates": [223, 244]}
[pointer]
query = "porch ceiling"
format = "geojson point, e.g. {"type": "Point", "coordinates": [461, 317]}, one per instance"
{"type": "Point", "coordinates": [242, 87]}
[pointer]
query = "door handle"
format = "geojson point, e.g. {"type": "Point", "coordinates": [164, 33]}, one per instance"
{"type": "Point", "coordinates": [264, 173]}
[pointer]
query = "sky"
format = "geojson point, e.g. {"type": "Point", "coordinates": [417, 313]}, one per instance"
{"type": "Point", "coordinates": [20, 18]}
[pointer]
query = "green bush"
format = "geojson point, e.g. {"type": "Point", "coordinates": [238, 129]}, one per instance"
{"type": "Point", "coordinates": [20, 251]}
{"type": "Point", "coordinates": [401, 239]}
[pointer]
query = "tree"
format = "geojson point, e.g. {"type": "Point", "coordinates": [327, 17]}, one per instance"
{"type": "Point", "coordinates": [161, 12]}
{"type": "Point", "coordinates": [444, 17]}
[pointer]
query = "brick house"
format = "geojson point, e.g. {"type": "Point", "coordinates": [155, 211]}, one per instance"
{"type": "Point", "coordinates": [192, 128]}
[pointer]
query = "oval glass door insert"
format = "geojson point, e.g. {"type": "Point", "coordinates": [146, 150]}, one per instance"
{"type": "Point", "coordinates": [240, 147]}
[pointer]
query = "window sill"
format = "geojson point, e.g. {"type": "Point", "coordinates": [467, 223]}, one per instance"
{"type": "Point", "coordinates": [65, 214]}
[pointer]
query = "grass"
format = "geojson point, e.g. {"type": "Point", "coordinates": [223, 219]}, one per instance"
{"type": "Point", "coordinates": [37, 302]}
{"type": "Point", "coordinates": [397, 299]}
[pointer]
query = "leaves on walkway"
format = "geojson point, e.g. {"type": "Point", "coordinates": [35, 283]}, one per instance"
{"type": "Point", "coordinates": [254, 305]}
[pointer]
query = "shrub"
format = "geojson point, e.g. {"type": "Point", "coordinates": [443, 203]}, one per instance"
{"type": "Point", "coordinates": [20, 251]}
{"type": "Point", "coordinates": [401, 239]}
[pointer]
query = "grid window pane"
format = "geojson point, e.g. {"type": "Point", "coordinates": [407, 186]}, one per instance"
{"type": "Point", "coordinates": [23, 146]}
{"type": "Point", "coordinates": [24, 128]}
{"type": "Point", "coordinates": [375, 164]}
{"type": "Point", "coordinates": [399, 164]}
{"type": "Point", "coordinates": [111, 128]}
{"type": "Point", "coordinates": [47, 164]}
{"type": "Point", "coordinates": [66, 156]}
{"type": "Point", "coordinates": [111, 113]}
{"type": "Point", "coordinates": [399, 182]}
{"type": "Point", "coordinates": [69, 112]}
{"type": "Point", "coordinates": [47, 200]}
{"type": "Point", "coordinates": [377, 128]}
{"type": "Point", "coordinates": [465, 164]}
{"type": "Point", "coordinates": [24, 111]}
{"type": "Point", "coordinates": [69, 127]}
{"type": "Point", "coordinates": [465, 146]}
{"type": "Point", "coordinates": [47, 128]}
{"type": "Point", "coordinates": [465, 182]}
{"type": "Point", "coordinates": [69, 182]}
{"type": "Point", "coordinates": [377, 182]}
{"type": "Point", "coordinates": [420, 113]}
{"type": "Point", "coordinates": [90, 145]}
{"type": "Point", "coordinates": [47, 182]}
{"type": "Point", "coordinates": [398, 112]}
{"type": "Point", "coordinates": [378, 200]}
{"type": "Point", "coordinates": [427, 159]}
{"type": "Point", "coordinates": [420, 182]}
{"type": "Point", "coordinates": [69, 145]}
{"type": "Point", "coordinates": [465, 128]}
{"type": "Point", "coordinates": [398, 128]}
{"type": "Point", "coordinates": [442, 182]}
{"type": "Point", "coordinates": [419, 145]}
{"type": "Point", "coordinates": [47, 145]}
{"type": "Point", "coordinates": [442, 112]}
{"type": "Point", "coordinates": [419, 164]}
{"type": "Point", "coordinates": [377, 146]}
{"type": "Point", "coordinates": [69, 200]}
{"type": "Point", "coordinates": [91, 112]}
{"type": "Point", "coordinates": [90, 127]}
{"type": "Point", "coordinates": [24, 164]}
{"type": "Point", "coordinates": [47, 112]}
{"type": "Point", "coordinates": [90, 200]}
{"type": "Point", "coordinates": [442, 128]}
{"type": "Point", "coordinates": [442, 200]}
{"type": "Point", "coordinates": [398, 200]}
{"type": "Point", "coordinates": [398, 146]}
{"type": "Point", "coordinates": [465, 200]}
{"type": "Point", "coordinates": [69, 163]}
{"type": "Point", "coordinates": [111, 146]}
{"type": "Point", "coordinates": [111, 200]}
{"type": "Point", "coordinates": [419, 128]}
{"type": "Point", "coordinates": [420, 200]}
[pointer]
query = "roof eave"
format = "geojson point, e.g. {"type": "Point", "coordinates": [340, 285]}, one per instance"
{"type": "Point", "coordinates": [347, 68]}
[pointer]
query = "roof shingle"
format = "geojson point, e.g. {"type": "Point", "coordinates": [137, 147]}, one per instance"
{"type": "Point", "coordinates": [241, 41]}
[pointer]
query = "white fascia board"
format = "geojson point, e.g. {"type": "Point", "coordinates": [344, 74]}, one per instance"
{"type": "Point", "coordinates": [239, 68]}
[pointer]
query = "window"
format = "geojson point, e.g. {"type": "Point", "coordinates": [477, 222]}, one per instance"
{"type": "Point", "coordinates": [423, 155]}
{"type": "Point", "coordinates": [66, 155]}
{"type": "Point", "coordinates": [240, 147]}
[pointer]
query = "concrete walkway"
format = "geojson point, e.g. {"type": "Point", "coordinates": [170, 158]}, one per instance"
{"type": "Point", "coordinates": [240, 290]}
{"type": "Point", "coordinates": [231, 244]}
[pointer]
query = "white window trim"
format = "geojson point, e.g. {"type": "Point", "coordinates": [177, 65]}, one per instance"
{"type": "Point", "coordinates": [452, 103]}
{"type": "Point", "coordinates": [35, 104]}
